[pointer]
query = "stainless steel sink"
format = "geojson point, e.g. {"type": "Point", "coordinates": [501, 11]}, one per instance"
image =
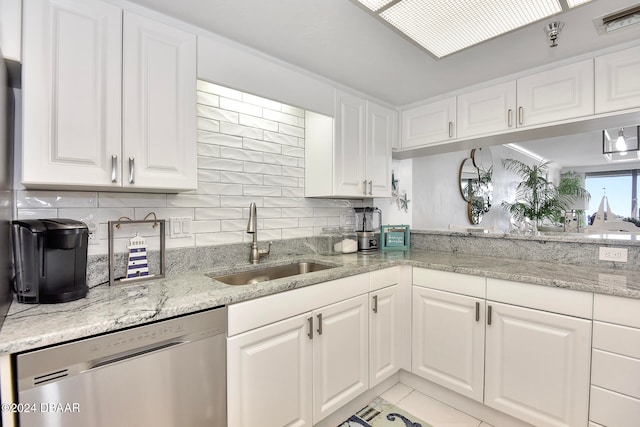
{"type": "Point", "coordinates": [271, 273]}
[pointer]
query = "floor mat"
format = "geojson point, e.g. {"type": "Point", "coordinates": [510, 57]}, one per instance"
{"type": "Point", "coordinates": [381, 413]}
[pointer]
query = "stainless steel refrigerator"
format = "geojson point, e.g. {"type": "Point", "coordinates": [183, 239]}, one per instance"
{"type": "Point", "coordinates": [7, 119]}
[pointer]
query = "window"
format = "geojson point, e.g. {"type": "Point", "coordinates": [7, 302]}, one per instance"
{"type": "Point", "coordinates": [620, 187]}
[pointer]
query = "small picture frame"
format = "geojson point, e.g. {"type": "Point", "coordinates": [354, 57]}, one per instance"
{"type": "Point", "coordinates": [394, 238]}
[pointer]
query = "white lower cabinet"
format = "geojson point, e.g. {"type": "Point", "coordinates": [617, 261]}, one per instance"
{"type": "Point", "coordinates": [296, 371]}
{"type": "Point", "coordinates": [537, 365]}
{"type": "Point", "coordinates": [269, 375]}
{"type": "Point", "coordinates": [529, 363]}
{"type": "Point", "coordinates": [448, 340]}
{"type": "Point", "coordinates": [384, 334]}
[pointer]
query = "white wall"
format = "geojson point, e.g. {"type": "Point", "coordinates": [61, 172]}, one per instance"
{"type": "Point", "coordinates": [250, 149]}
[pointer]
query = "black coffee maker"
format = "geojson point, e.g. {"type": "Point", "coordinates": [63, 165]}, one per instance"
{"type": "Point", "coordinates": [50, 258]}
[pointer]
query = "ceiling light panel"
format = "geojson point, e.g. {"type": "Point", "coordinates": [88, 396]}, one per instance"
{"type": "Point", "coordinates": [375, 4]}
{"type": "Point", "coordinates": [574, 3]}
{"type": "Point", "coordinates": [446, 26]}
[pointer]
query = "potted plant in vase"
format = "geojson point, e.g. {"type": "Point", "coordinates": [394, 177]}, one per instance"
{"type": "Point", "coordinates": [536, 197]}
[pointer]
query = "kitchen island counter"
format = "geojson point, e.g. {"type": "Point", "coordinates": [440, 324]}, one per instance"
{"type": "Point", "coordinates": [107, 309]}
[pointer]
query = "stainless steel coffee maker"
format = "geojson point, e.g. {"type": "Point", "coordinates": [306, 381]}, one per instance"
{"type": "Point", "coordinates": [368, 222]}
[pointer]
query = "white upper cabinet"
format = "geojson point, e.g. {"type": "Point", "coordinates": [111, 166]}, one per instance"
{"type": "Point", "coordinates": [487, 110]}
{"type": "Point", "coordinates": [72, 93]}
{"type": "Point", "coordinates": [10, 29]}
{"type": "Point", "coordinates": [557, 94]}
{"type": "Point", "coordinates": [617, 81]}
{"type": "Point", "coordinates": [350, 156]}
{"type": "Point", "coordinates": [430, 123]}
{"type": "Point", "coordinates": [92, 119]}
{"type": "Point", "coordinates": [159, 105]}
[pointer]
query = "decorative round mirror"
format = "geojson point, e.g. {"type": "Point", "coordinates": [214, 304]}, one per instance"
{"type": "Point", "coordinates": [479, 191]}
{"type": "Point", "coordinates": [468, 179]}
{"type": "Point", "coordinates": [482, 159]}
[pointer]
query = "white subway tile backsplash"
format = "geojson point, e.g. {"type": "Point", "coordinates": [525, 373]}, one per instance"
{"type": "Point", "coordinates": [241, 178]}
{"type": "Point", "coordinates": [213, 113]}
{"type": "Point", "coordinates": [281, 138]}
{"type": "Point", "coordinates": [239, 130]}
{"type": "Point", "coordinates": [206, 98]}
{"type": "Point", "coordinates": [284, 181]}
{"type": "Point", "coordinates": [219, 90]}
{"type": "Point", "coordinates": [208, 150]}
{"type": "Point", "coordinates": [208, 125]}
{"type": "Point", "coordinates": [262, 102]}
{"type": "Point", "coordinates": [291, 130]}
{"type": "Point", "coordinates": [114, 200]}
{"type": "Point", "coordinates": [278, 116]}
{"type": "Point", "coordinates": [257, 122]}
{"type": "Point", "coordinates": [261, 190]}
{"type": "Point", "coordinates": [220, 164]}
{"type": "Point", "coordinates": [240, 107]}
{"type": "Point", "coordinates": [292, 110]}
{"type": "Point", "coordinates": [264, 146]}
{"type": "Point", "coordinates": [250, 149]}
{"type": "Point", "coordinates": [56, 199]}
{"type": "Point", "coordinates": [217, 213]}
{"type": "Point", "coordinates": [219, 139]}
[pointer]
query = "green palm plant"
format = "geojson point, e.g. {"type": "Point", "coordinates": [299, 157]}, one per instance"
{"type": "Point", "coordinates": [536, 197]}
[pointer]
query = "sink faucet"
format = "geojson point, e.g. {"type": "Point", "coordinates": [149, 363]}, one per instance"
{"type": "Point", "coordinates": [252, 227]}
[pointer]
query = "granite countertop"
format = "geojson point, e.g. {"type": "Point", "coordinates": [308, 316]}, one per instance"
{"type": "Point", "coordinates": [107, 309]}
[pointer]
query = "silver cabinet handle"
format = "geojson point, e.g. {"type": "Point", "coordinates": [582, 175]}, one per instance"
{"type": "Point", "coordinates": [489, 315]}
{"type": "Point", "coordinates": [320, 324]}
{"type": "Point", "coordinates": [450, 129]}
{"type": "Point", "coordinates": [364, 187]}
{"type": "Point", "coordinates": [509, 117]}
{"type": "Point", "coordinates": [520, 115]}
{"type": "Point", "coordinates": [375, 303]}
{"type": "Point", "coordinates": [310, 333]}
{"type": "Point", "coordinates": [477, 311]}
{"type": "Point", "coordinates": [114, 168]}
{"type": "Point", "coordinates": [371, 188]}
{"type": "Point", "coordinates": [132, 170]}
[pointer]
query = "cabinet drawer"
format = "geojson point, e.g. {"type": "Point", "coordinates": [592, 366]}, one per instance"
{"type": "Point", "coordinates": [620, 310]}
{"type": "Point", "coordinates": [615, 372]}
{"type": "Point", "coordinates": [556, 300]}
{"type": "Point", "coordinates": [613, 409]}
{"type": "Point", "coordinates": [383, 278]}
{"type": "Point", "coordinates": [616, 339]}
{"type": "Point", "coordinates": [450, 282]}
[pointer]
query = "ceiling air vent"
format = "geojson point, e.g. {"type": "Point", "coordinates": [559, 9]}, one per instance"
{"type": "Point", "coordinates": [618, 20]}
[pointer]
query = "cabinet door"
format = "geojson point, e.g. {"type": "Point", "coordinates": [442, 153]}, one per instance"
{"type": "Point", "coordinates": [537, 365]}
{"type": "Point", "coordinates": [558, 94]}
{"type": "Point", "coordinates": [340, 355]}
{"type": "Point", "coordinates": [384, 334]}
{"type": "Point", "coordinates": [349, 146]}
{"type": "Point", "coordinates": [269, 375]}
{"type": "Point", "coordinates": [617, 82]}
{"type": "Point", "coordinates": [381, 133]}
{"type": "Point", "coordinates": [487, 110]}
{"type": "Point", "coordinates": [429, 123]}
{"type": "Point", "coordinates": [159, 105]}
{"type": "Point", "coordinates": [448, 340]}
{"type": "Point", "coordinates": [71, 93]}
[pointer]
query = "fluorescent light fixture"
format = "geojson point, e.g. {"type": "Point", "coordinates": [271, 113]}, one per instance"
{"type": "Point", "coordinates": [574, 3]}
{"type": "Point", "coordinates": [375, 4]}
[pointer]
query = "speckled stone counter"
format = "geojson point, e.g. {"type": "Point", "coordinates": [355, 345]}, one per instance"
{"type": "Point", "coordinates": [107, 309]}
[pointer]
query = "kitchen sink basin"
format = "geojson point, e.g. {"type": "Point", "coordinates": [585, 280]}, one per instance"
{"type": "Point", "coordinates": [271, 273]}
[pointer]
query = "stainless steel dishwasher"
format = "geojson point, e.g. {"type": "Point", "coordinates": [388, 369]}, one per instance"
{"type": "Point", "coordinates": [165, 374]}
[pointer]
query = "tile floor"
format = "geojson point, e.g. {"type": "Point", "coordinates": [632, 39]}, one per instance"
{"type": "Point", "coordinates": [435, 413]}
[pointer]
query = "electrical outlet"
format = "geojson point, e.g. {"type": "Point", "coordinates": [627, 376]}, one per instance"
{"type": "Point", "coordinates": [613, 254]}
{"type": "Point", "coordinates": [179, 227]}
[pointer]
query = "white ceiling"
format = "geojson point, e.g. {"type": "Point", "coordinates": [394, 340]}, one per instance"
{"type": "Point", "coordinates": [341, 41]}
